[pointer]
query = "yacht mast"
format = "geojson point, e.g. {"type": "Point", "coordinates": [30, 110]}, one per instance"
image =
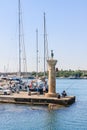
{"type": "Point", "coordinates": [44, 43]}
{"type": "Point", "coordinates": [46, 56]}
{"type": "Point", "coordinates": [19, 40]}
{"type": "Point", "coordinates": [36, 52]}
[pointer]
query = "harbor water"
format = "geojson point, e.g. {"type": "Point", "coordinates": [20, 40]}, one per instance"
{"type": "Point", "coordinates": [25, 117]}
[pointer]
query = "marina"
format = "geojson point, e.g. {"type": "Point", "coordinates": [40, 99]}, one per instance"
{"type": "Point", "coordinates": [38, 96]}
{"type": "Point", "coordinates": [43, 83]}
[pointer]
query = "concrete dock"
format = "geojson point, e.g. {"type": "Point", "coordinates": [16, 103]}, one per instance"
{"type": "Point", "coordinates": [36, 99]}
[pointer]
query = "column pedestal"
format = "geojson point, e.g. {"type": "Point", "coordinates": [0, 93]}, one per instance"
{"type": "Point", "coordinates": [51, 78]}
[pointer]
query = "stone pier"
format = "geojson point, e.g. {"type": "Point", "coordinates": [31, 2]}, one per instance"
{"type": "Point", "coordinates": [51, 77]}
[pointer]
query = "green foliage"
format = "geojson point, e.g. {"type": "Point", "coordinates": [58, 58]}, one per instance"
{"type": "Point", "coordinates": [65, 73]}
{"type": "Point", "coordinates": [68, 73]}
{"type": "Point", "coordinates": [59, 73]}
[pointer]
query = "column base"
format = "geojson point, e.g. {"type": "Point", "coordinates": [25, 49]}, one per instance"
{"type": "Point", "coordinates": [50, 95]}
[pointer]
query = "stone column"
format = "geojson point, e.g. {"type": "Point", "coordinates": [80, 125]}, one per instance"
{"type": "Point", "coordinates": [51, 78]}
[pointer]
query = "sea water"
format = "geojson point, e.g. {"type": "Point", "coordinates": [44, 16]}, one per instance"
{"type": "Point", "coordinates": [25, 117]}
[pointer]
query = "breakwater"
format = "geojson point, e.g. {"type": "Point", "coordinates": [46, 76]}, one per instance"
{"type": "Point", "coordinates": [24, 98]}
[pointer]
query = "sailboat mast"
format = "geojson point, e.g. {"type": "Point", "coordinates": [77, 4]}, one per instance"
{"type": "Point", "coordinates": [19, 40]}
{"type": "Point", "coordinates": [36, 52]}
{"type": "Point", "coordinates": [44, 43]}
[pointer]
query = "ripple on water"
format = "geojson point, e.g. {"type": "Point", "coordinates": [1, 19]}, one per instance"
{"type": "Point", "coordinates": [24, 117]}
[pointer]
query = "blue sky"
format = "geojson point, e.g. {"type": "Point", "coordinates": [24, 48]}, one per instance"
{"type": "Point", "coordinates": [66, 25]}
